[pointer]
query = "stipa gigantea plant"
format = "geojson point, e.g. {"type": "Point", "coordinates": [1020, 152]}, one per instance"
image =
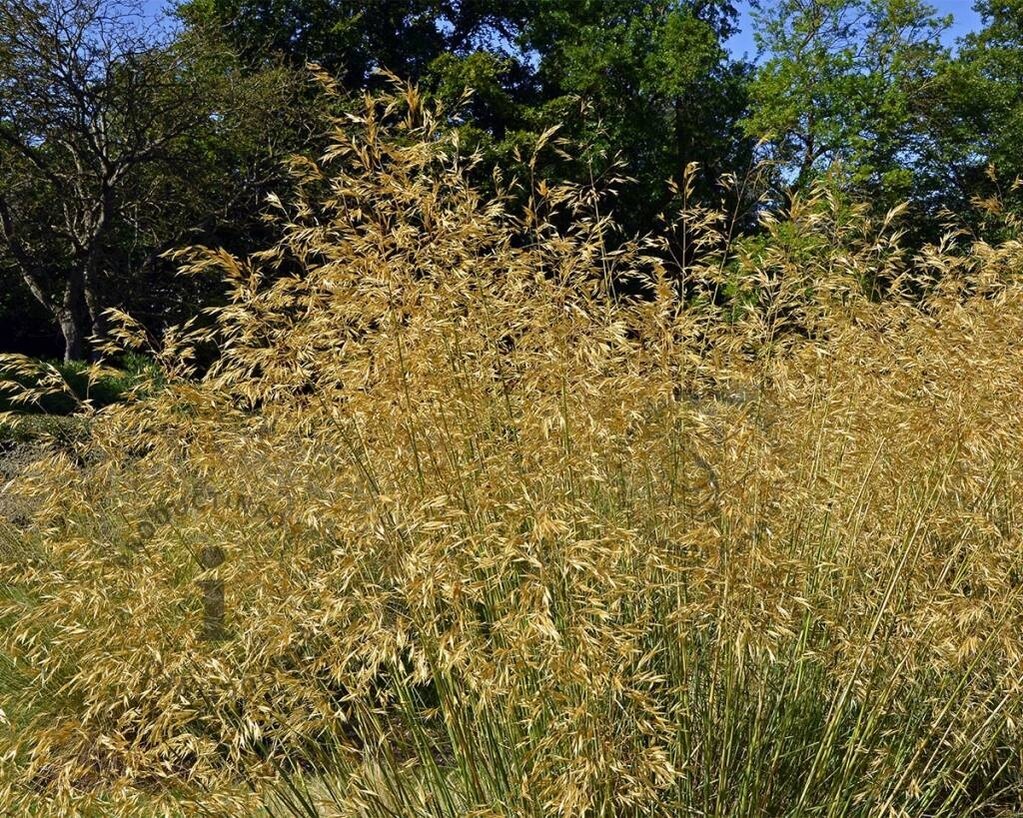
{"type": "Point", "coordinates": [497, 539]}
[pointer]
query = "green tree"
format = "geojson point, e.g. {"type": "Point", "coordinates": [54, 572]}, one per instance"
{"type": "Point", "coordinates": [657, 84]}
{"type": "Point", "coordinates": [978, 126]}
{"type": "Point", "coordinates": [351, 39]}
{"type": "Point", "coordinates": [844, 89]}
{"type": "Point", "coordinates": [114, 145]}
{"type": "Point", "coordinates": [968, 126]}
{"type": "Point", "coordinates": [645, 80]}
{"type": "Point", "coordinates": [995, 56]}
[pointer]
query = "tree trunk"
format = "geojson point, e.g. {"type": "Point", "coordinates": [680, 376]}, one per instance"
{"type": "Point", "coordinates": [96, 320]}
{"type": "Point", "coordinates": [74, 337]}
{"type": "Point", "coordinates": [73, 317]}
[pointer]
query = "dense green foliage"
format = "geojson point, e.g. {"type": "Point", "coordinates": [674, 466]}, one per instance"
{"type": "Point", "coordinates": [119, 141]}
{"type": "Point", "coordinates": [845, 86]}
{"type": "Point", "coordinates": [865, 92]}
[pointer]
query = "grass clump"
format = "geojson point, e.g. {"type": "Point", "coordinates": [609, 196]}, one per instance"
{"type": "Point", "coordinates": [496, 539]}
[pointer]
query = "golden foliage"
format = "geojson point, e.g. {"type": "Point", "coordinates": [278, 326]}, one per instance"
{"type": "Point", "coordinates": [502, 540]}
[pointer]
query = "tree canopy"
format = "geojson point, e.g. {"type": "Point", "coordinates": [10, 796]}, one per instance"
{"type": "Point", "coordinates": [120, 139]}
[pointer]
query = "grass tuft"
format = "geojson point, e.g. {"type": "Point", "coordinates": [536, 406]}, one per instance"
{"type": "Point", "coordinates": [495, 538]}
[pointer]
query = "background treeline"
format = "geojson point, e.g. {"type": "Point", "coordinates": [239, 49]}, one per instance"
{"type": "Point", "coordinates": [121, 139]}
